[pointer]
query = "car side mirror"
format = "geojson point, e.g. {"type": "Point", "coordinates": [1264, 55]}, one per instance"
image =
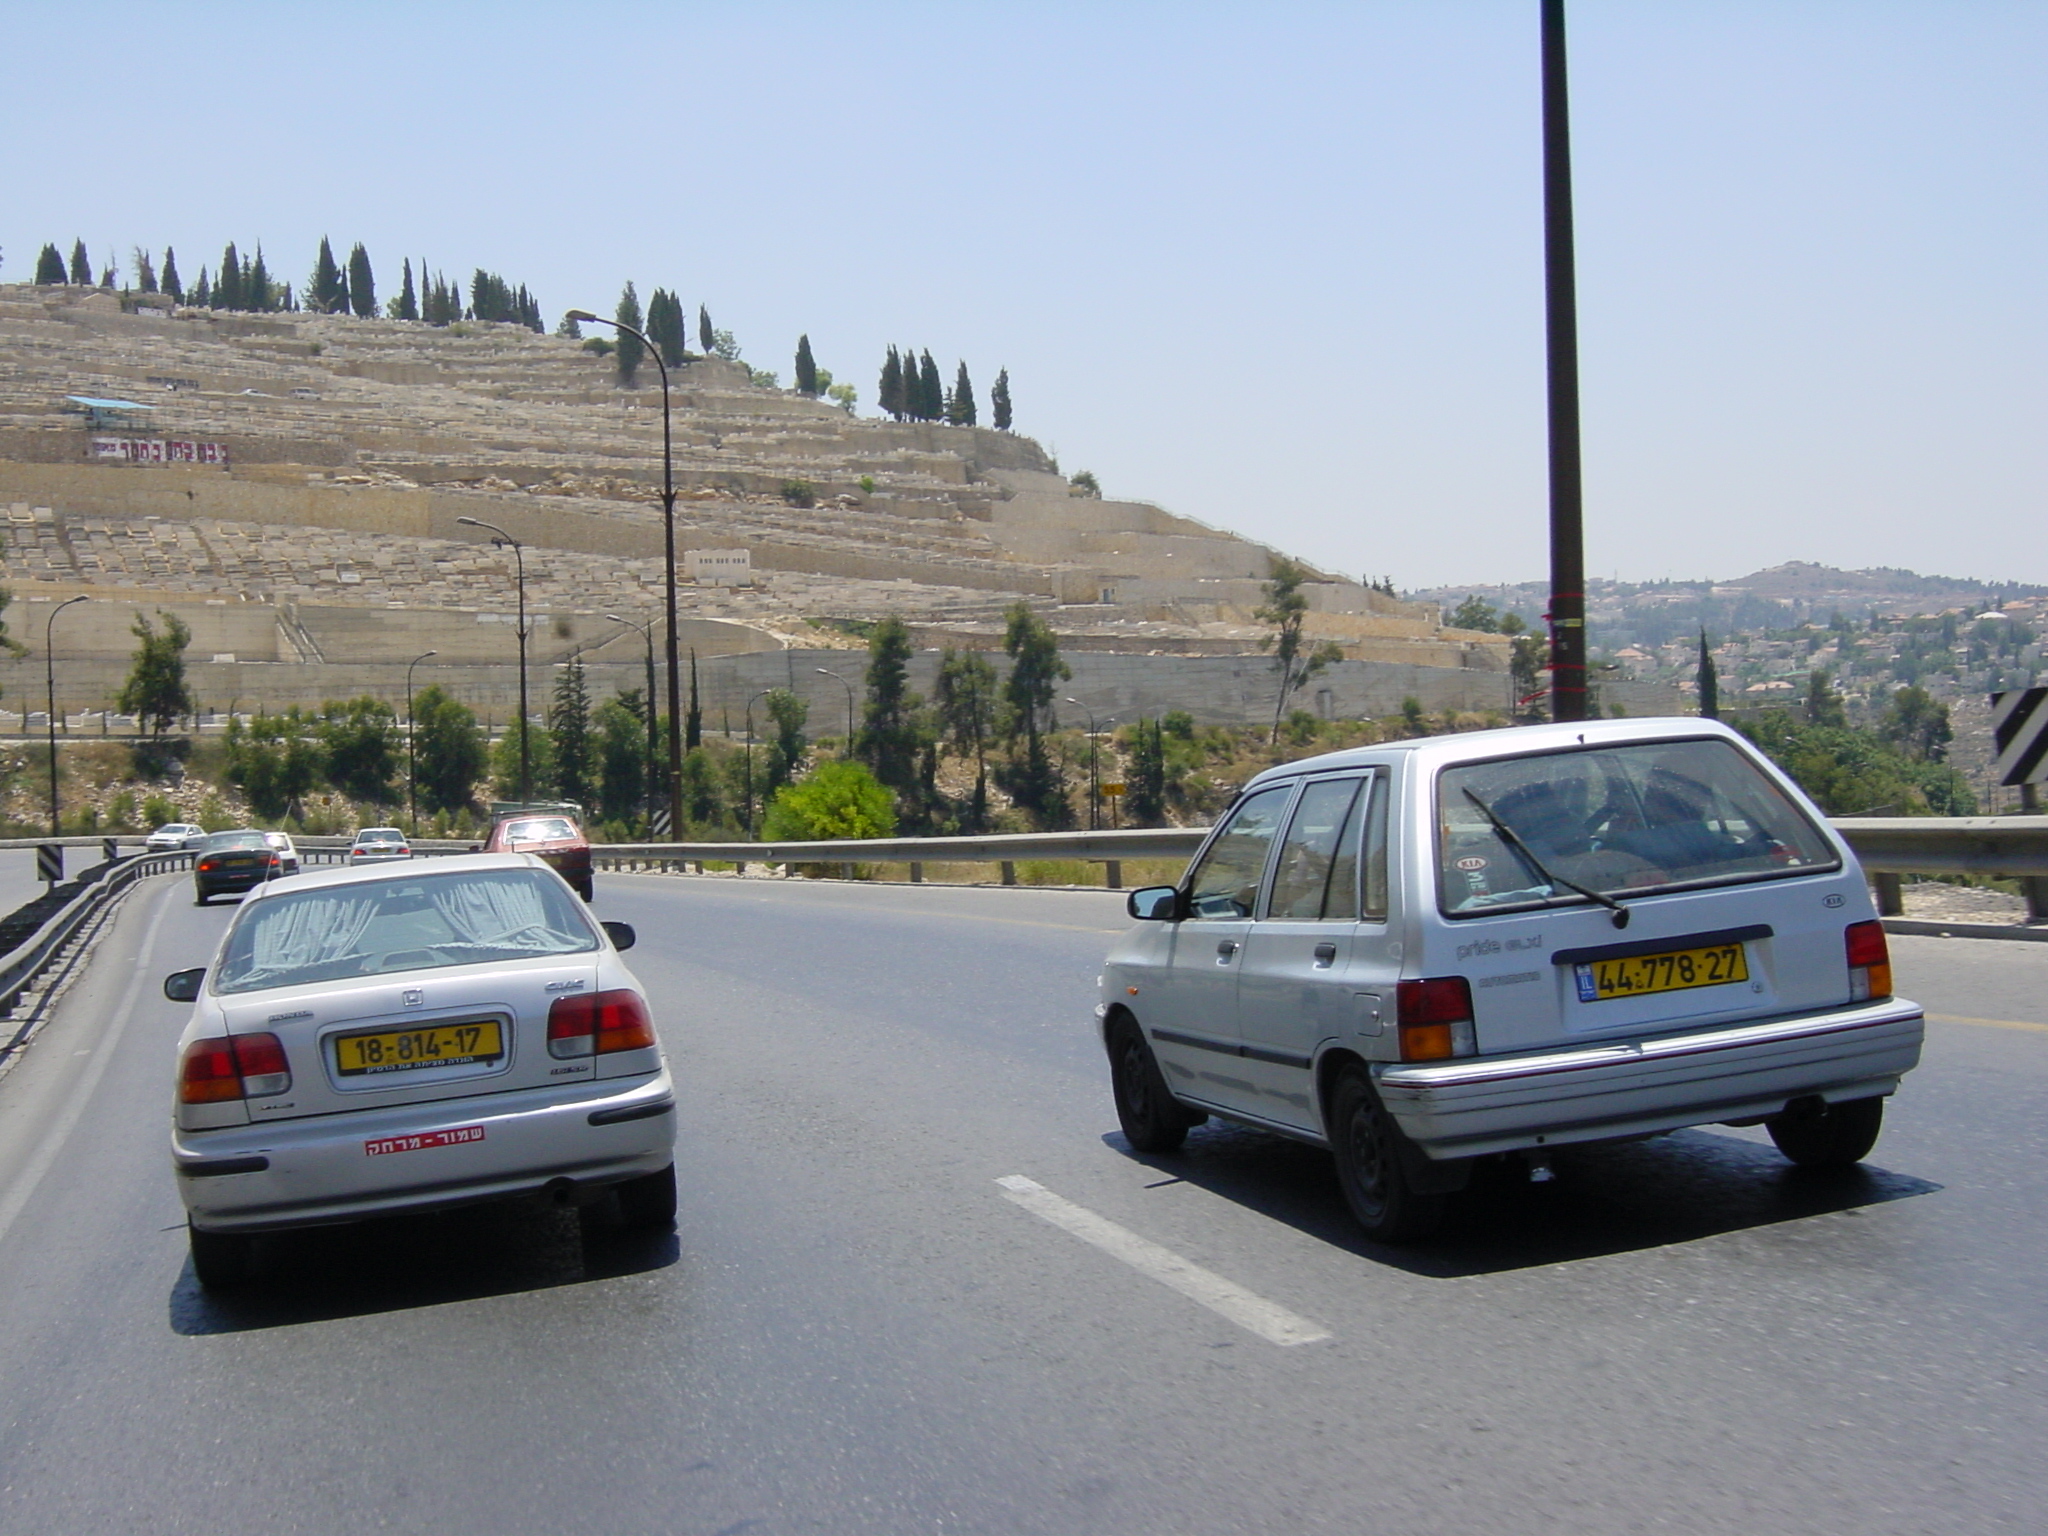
{"type": "Point", "coordinates": [183, 986]}
{"type": "Point", "coordinates": [621, 934]}
{"type": "Point", "coordinates": [1154, 904]}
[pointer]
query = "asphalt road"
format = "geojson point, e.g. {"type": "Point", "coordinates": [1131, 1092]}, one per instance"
{"type": "Point", "coordinates": [856, 1328]}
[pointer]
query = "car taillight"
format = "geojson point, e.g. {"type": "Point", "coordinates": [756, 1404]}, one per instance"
{"type": "Point", "coordinates": [598, 1023]}
{"type": "Point", "coordinates": [1435, 1016]}
{"type": "Point", "coordinates": [208, 863]}
{"type": "Point", "coordinates": [244, 1067]}
{"type": "Point", "coordinates": [1870, 962]}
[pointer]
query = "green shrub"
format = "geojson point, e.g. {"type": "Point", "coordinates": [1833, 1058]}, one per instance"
{"type": "Point", "coordinates": [839, 800]}
{"type": "Point", "coordinates": [800, 493]}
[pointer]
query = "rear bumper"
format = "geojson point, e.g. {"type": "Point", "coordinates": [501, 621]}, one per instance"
{"type": "Point", "coordinates": [320, 1170]}
{"type": "Point", "coordinates": [1628, 1088]}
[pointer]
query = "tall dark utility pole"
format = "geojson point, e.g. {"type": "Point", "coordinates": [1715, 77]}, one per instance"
{"type": "Point", "coordinates": [1561, 312]}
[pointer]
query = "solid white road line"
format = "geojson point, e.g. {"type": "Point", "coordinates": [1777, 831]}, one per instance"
{"type": "Point", "coordinates": [1269, 1320]}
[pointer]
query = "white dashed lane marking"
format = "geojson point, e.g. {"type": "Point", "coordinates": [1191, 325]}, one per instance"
{"type": "Point", "coordinates": [1269, 1320]}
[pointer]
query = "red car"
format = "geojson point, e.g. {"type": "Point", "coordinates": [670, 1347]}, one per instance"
{"type": "Point", "coordinates": [556, 838]}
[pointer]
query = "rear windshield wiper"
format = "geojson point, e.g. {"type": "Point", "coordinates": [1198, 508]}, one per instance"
{"type": "Point", "coordinates": [1509, 836]}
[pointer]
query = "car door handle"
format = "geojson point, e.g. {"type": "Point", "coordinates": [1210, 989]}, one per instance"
{"type": "Point", "coordinates": [1326, 954]}
{"type": "Point", "coordinates": [1225, 949]}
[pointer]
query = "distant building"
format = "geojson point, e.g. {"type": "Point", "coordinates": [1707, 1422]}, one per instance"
{"type": "Point", "coordinates": [720, 567]}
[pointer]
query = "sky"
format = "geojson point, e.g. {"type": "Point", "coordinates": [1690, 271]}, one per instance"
{"type": "Point", "coordinates": [1277, 266]}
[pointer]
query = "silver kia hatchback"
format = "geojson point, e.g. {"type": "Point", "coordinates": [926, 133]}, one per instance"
{"type": "Point", "coordinates": [412, 1037]}
{"type": "Point", "coordinates": [1428, 952]}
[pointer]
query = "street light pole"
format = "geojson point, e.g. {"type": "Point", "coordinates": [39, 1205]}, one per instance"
{"type": "Point", "coordinates": [1094, 791]}
{"type": "Point", "coordinates": [668, 531]}
{"type": "Point", "coordinates": [828, 672]}
{"type": "Point", "coordinates": [525, 730]}
{"type": "Point", "coordinates": [653, 753]}
{"type": "Point", "coordinates": [412, 767]}
{"type": "Point", "coordinates": [750, 760]}
{"type": "Point", "coordinates": [50, 667]}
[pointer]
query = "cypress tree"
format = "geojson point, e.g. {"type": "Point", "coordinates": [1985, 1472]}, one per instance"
{"type": "Point", "coordinates": [257, 290]}
{"type": "Point", "coordinates": [202, 294]}
{"type": "Point", "coordinates": [169, 280]}
{"type": "Point", "coordinates": [325, 292]}
{"type": "Point", "coordinates": [145, 271]}
{"type": "Point", "coordinates": [891, 388]}
{"type": "Point", "coordinates": [227, 284]}
{"type": "Point", "coordinates": [705, 335]}
{"type": "Point", "coordinates": [1709, 683]}
{"type": "Point", "coordinates": [999, 400]}
{"type": "Point", "coordinates": [106, 277]}
{"type": "Point", "coordinates": [630, 350]}
{"type": "Point", "coordinates": [362, 284]}
{"type": "Point", "coordinates": [932, 392]}
{"type": "Point", "coordinates": [693, 722]}
{"type": "Point", "coordinates": [81, 265]}
{"type": "Point", "coordinates": [806, 367]}
{"type": "Point", "coordinates": [962, 413]}
{"type": "Point", "coordinates": [408, 301]}
{"type": "Point", "coordinates": [49, 267]}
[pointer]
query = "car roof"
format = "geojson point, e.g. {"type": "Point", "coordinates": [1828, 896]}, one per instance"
{"type": "Point", "coordinates": [1503, 741]}
{"type": "Point", "coordinates": [419, 869]}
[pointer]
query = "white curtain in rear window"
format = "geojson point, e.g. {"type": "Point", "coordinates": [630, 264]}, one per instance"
{"type": "Point", "coordinates": [507, 914]}
{"type": "Point", "coordinates": [304, 931]}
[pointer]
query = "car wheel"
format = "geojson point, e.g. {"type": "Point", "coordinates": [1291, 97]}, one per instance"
{"type": "Point", "coordinates": [200, 898]}
{"type": "Point", "coordinates": [650, 1200]}
{"type": "Point", "coordinates": [1367, 1147]}
{"type": "Point", "coordinates": [1152, 1119]}
{"type": "Point", "coordinates": [1816, 1134]}
{"type": "Point", "coordinates": [223, 1260]}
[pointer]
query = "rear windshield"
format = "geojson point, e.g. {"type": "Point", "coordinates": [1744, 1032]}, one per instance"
{"type": "Point", "coordinates": [418, 923]}
{"type": "Point", "coordinates": [1642, 817]}
{"type": "Point", "coordinates": [225, 840]}
{"type": "Point", "coordinates": [380, 835]}
{"type": "Point", "coordinates": [540, 829]}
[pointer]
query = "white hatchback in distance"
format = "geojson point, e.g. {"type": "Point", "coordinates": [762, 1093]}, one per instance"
{"type": "Point", "coordinates": [374, 1041]}
{"type": "Point", "coordinates": [1428, 952]}
{"type": "Point", "coordinates": [173, 837]}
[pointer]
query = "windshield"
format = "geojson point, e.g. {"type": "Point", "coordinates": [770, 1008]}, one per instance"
{"type": "Point", "coordinates": [417, 923]}
{"type": "Point", "coordinates": [222, 840]}
{"type": "Point", "coordinates": [545, 829]}
{"type": "Point", "coordinates": [380, 835]}
{"type": "Point", "coordinates": [1635, 818]}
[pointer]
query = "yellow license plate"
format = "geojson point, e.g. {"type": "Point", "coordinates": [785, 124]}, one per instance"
{"type": "Point", "coordinates": [1673, 971]}
{"type": "Point", "coordinates": [416, 1050]}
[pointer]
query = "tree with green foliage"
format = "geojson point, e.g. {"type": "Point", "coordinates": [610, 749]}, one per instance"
{"type": "Point", "coordinates": [665, 328]}
{"type": "Point", "coordinates": [274, 760]}
{"type": "Point", "coordinates": [1145, 796]}
{"type": "Point", "coordinates": [506, 763]}
{"type": "Point", "coordinates": [259, 293]}
{"type": "Point", "coordinates": [931, 393]}
{"type": "Point", "coordinates": [227, 282]}
{"type": "Point", "coordinates": [145, 271]}
{"type": "Point", "coordinates": [1823, 704]}
{"type": "Point", "coordinates": [1475, 613]}
{"type": "Point", "coordinates": [962, 399]}
{"type": "Point", "coordinates": [326, 289]}
{"type": "Point", "coordinates": [706, 337]}
{"type": "Point", "coordinates": [1084, 483]}
{"type": "Point", "coordinates": [890, 397]}
{"type": "Point", "coordinates": [1850, 772]}
{"type": "Point", "coordinates": [448, 751]}
{"type": "Point", "coordinates": [155, 692]}
{"type": "Point", "coordinates": [965, 699]}
{"type": "Point", "coordinates": [81, 265]}
{"type": "Point", "coordinates": [693, 717]}
{"type": "Point", "coordinates": [1036, 671]}
{"type": "Point", "coordinates": [999, 400]}
{"type": "Point", "coordinates": [891, 730]}
{"type": "Point", "coordinates": [621, 756]}
{"type": "Point", "coordinates": [1709, 682]}
{"type": "Point", "coordinates": [407, 305]}
{"type": "Point", "coordinates": [705, 805]}
{"type": "Point", "coordinates": [787, 716]}
{"type": "Point", "coordinates": [839, 800]}
{"type": "Point", "coordinates": [360, 747]}
{"type": "Point", "coordinates": [362, 284]}
{"type": "Point", "coordinates": [569, 728]}
{"type": "Point", "coordinates": [50, 268]}
{"type": "Point", "coordinates": [202, 292]}
{"type": "Point", "coordinates": [1917, 723]}
{"type": "Point", "coordinates": [627, 358]}
{"type": "Point", "coordinates": [1294, 658]}
{"type": "Point", "coordinates": [806, 368]}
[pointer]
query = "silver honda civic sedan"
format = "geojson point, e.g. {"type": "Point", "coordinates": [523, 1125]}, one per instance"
{"type": "Point", "coordinates": [414, 1037]}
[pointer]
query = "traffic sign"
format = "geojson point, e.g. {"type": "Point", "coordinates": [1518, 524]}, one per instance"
{"type": "Point", "coordinates": [2019, 732]}
{"type": "Point", "coordinates": [50, 862]}
{"type": "Point", "coordinates": [1112, 789]}
{"type": "Point", "coordinates": [660, 825]}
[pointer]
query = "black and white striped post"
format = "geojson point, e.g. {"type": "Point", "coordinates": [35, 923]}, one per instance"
{"type": "Point", "coordinates": [2019, 736]}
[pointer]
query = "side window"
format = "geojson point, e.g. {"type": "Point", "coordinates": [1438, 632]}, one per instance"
{"type": "Point", "coordinates": [1376, 851]}
{"type": "Point", "coordinates": [1318, 874]}
{"type": "Point", "coordinates": [1225, 883]}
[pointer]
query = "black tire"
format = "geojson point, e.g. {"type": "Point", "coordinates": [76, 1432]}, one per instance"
{"type": "Point", "coordinates": [201, 899]}
{"type": "Point", "coordinates": [1367, 1146]}
{"type": "Point", "coordinates": [223, 1260]}
{"type": "Point", "coordinates": [1152, 1119]}
{"type": "Point", "coordinates": [1815, 1134]}
{"type": "Point", "coordinates": [650, 1200]}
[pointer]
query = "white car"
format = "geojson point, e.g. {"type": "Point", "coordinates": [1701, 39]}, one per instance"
{"type": "Point", "coordinates": [383, 1040]}
{"type": "Point", "coordinates": [174, 837]}
{"type": "Point", "coordinates": [287, 852]}
{"type": "Point", "coordinates": [1428, 952]}
{"type": "Point", "coordinates": [374, 845]}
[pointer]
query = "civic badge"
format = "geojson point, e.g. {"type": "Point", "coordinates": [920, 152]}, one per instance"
{"type": "Point", "coordinates": [413, 997]}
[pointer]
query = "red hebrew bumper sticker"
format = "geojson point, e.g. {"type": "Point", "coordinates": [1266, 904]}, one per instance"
{"type": "Point", "coordinates": [455, 1138]}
